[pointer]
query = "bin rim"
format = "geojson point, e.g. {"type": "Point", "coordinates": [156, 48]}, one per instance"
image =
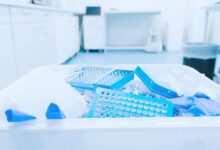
{"type": "Point", "coordinates": [111, 123]}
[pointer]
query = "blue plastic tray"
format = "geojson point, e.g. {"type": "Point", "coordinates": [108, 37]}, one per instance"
{"type": "Point", "coordinates": [154, 87]}
{"type": "Point", "coordinates": [113, 104]}
{"type": "Point", "coordinates": [115, 79]}
{"type": "Point", "coordinates": [92, 77]}
{"type": "Point", "coordinates": [85, 77]}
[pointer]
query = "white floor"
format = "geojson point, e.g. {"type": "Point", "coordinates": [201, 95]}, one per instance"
{"type": "Point", "coordinates": [127, 57]}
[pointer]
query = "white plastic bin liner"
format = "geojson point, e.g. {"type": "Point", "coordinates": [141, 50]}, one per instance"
{"type": "Point", "coordinates": [36, 91]}
{"type": "Point", "coordinates": [179, 133]}
{"type": "Point", "coordinates": [117, 134]}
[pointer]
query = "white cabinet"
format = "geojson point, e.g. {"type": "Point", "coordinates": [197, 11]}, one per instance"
{"type": "Point", "coordinates": [28, 15]}
{"type": "Point", "coordinates": [4, 15]}
{"type": "Point", "coordinates": [67, 36]}
{"type": "Point", "coordinates": [34, 39]}
{"type": "Point", "coordinates": [34, 46]}
{"type": "Point", "coordinates": [43, 38]}
{"type": "Point", "coordinates": [7, 57]}
{"type": "Point", "coordinates": [94, 32]}
{"type": "Point", "coordinates": [21, 15]}
{"type": "Point", "coordinates": [30, 38]}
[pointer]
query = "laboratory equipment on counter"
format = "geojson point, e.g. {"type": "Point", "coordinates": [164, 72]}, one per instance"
{"type": "Point", "coordinates": [41, 2]}
{"type": "Point", "coordinates": [95, 10]}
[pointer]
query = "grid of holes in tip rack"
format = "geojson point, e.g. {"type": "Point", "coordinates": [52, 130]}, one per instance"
{"type": "Point", "coordinates": [115, 79]}
{"type": "Point", "coordinates": [113, 104]}
{"type": "Point", "coordinates": [93, 77]}
{"type": "Point", "coordinates": [85, 77]}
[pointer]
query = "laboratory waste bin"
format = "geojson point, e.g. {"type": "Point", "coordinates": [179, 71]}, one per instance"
{"type": "Point", "coordinates": [201, 57]}
{"type": "Point", "coordinates": [180, 133]}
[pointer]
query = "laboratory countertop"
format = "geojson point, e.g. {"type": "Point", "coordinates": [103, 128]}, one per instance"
{"type": "Point", "coordinates": [14, 3]}
{"type": "Point", "coordinates": [133, 11]}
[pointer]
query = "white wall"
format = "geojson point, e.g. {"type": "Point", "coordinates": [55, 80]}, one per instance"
{"type": "Point", "coordinates": [196, 20]}
{"type": "Point", "coordinates": [214, 29]}
{"type": "Point", "coordinates": [214, 34]}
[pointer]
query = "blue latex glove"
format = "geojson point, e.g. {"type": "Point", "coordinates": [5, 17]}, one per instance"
{"type": "Point", "coordinates": [203, 107]}
{"type": "Point", "coordinates": [198, 105]}
{"type": "Point", "coordinates": [187, 102]}
{"type": "Point", "coordinates": [181, 104]}
{"type": "Point", "coordinates": [202, 95]}
{"type": "Point", "coordinates": [17, 116]}
{"type": "Point", "coordinates": [54, 112]}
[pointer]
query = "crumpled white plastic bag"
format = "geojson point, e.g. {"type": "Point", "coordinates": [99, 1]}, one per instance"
{"type": "Point", "coordinates": [39, 89]}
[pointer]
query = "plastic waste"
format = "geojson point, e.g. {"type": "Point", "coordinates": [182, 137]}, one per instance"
{"type": "Point", "coordinates": [182, 104]}
{"type": "Point", "coordinates": [5, 104]}
{"type": "Point", "coordinates": [115, 79]}
{"type": "Point", "coordinates": [92, 77]}
{"type": "Point", "coordinates": [54, 112]}
{"type": "Point", "coordinates": [34, 97]}
{"type": "Point", "coordinates": [197, 105]}
{"type": "Point", "coordinates": [64, 101]}
{"type": "Point", "coordinates": [201, 95]}
{"type": "Point", "coordinates": [114, 104]}
{"type": "Point", "coordinates": [85, 77]}
{"type": "Point", "coordinates": [154, 87]}
{"type": "Point", "coordinates": [17, 116]}
{"type": "Point", "coordinates": [203, 107]}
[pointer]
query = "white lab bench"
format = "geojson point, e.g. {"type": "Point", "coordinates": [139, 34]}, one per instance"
{"type": "Point", "coordinates": [202, 133]}
{"type": "Point", "coordinates": [118, 29]}
{"type": "Point", "coordinates": [33, 36]}
{"type": "Point", "coordinates": [135, 30]}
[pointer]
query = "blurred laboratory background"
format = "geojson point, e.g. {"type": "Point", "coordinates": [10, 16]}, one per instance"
{"type": "Point", "coordinates": [36, 33]}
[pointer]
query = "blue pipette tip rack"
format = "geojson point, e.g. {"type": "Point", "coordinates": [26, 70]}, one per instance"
{"type": "Point", "coordinates": [113, 104]}
{"type": "Point", "coordinates": [92, 77]}
{"type": "Point", "coordinates": [154, 87]}
{"type": "Point", "coordinates": [85, 77]}
{"type": "Point", "coordinates": [115, 79]}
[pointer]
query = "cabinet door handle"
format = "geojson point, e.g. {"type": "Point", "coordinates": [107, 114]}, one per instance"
{"type": "Point", "coordinates": [26, 14]}
{"type": "Point", "coordinates": [113, 9]}
{"type": "Point", "coordinates": [38, 28]}
{"type": "Point", "coordinates": [46, 15]}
